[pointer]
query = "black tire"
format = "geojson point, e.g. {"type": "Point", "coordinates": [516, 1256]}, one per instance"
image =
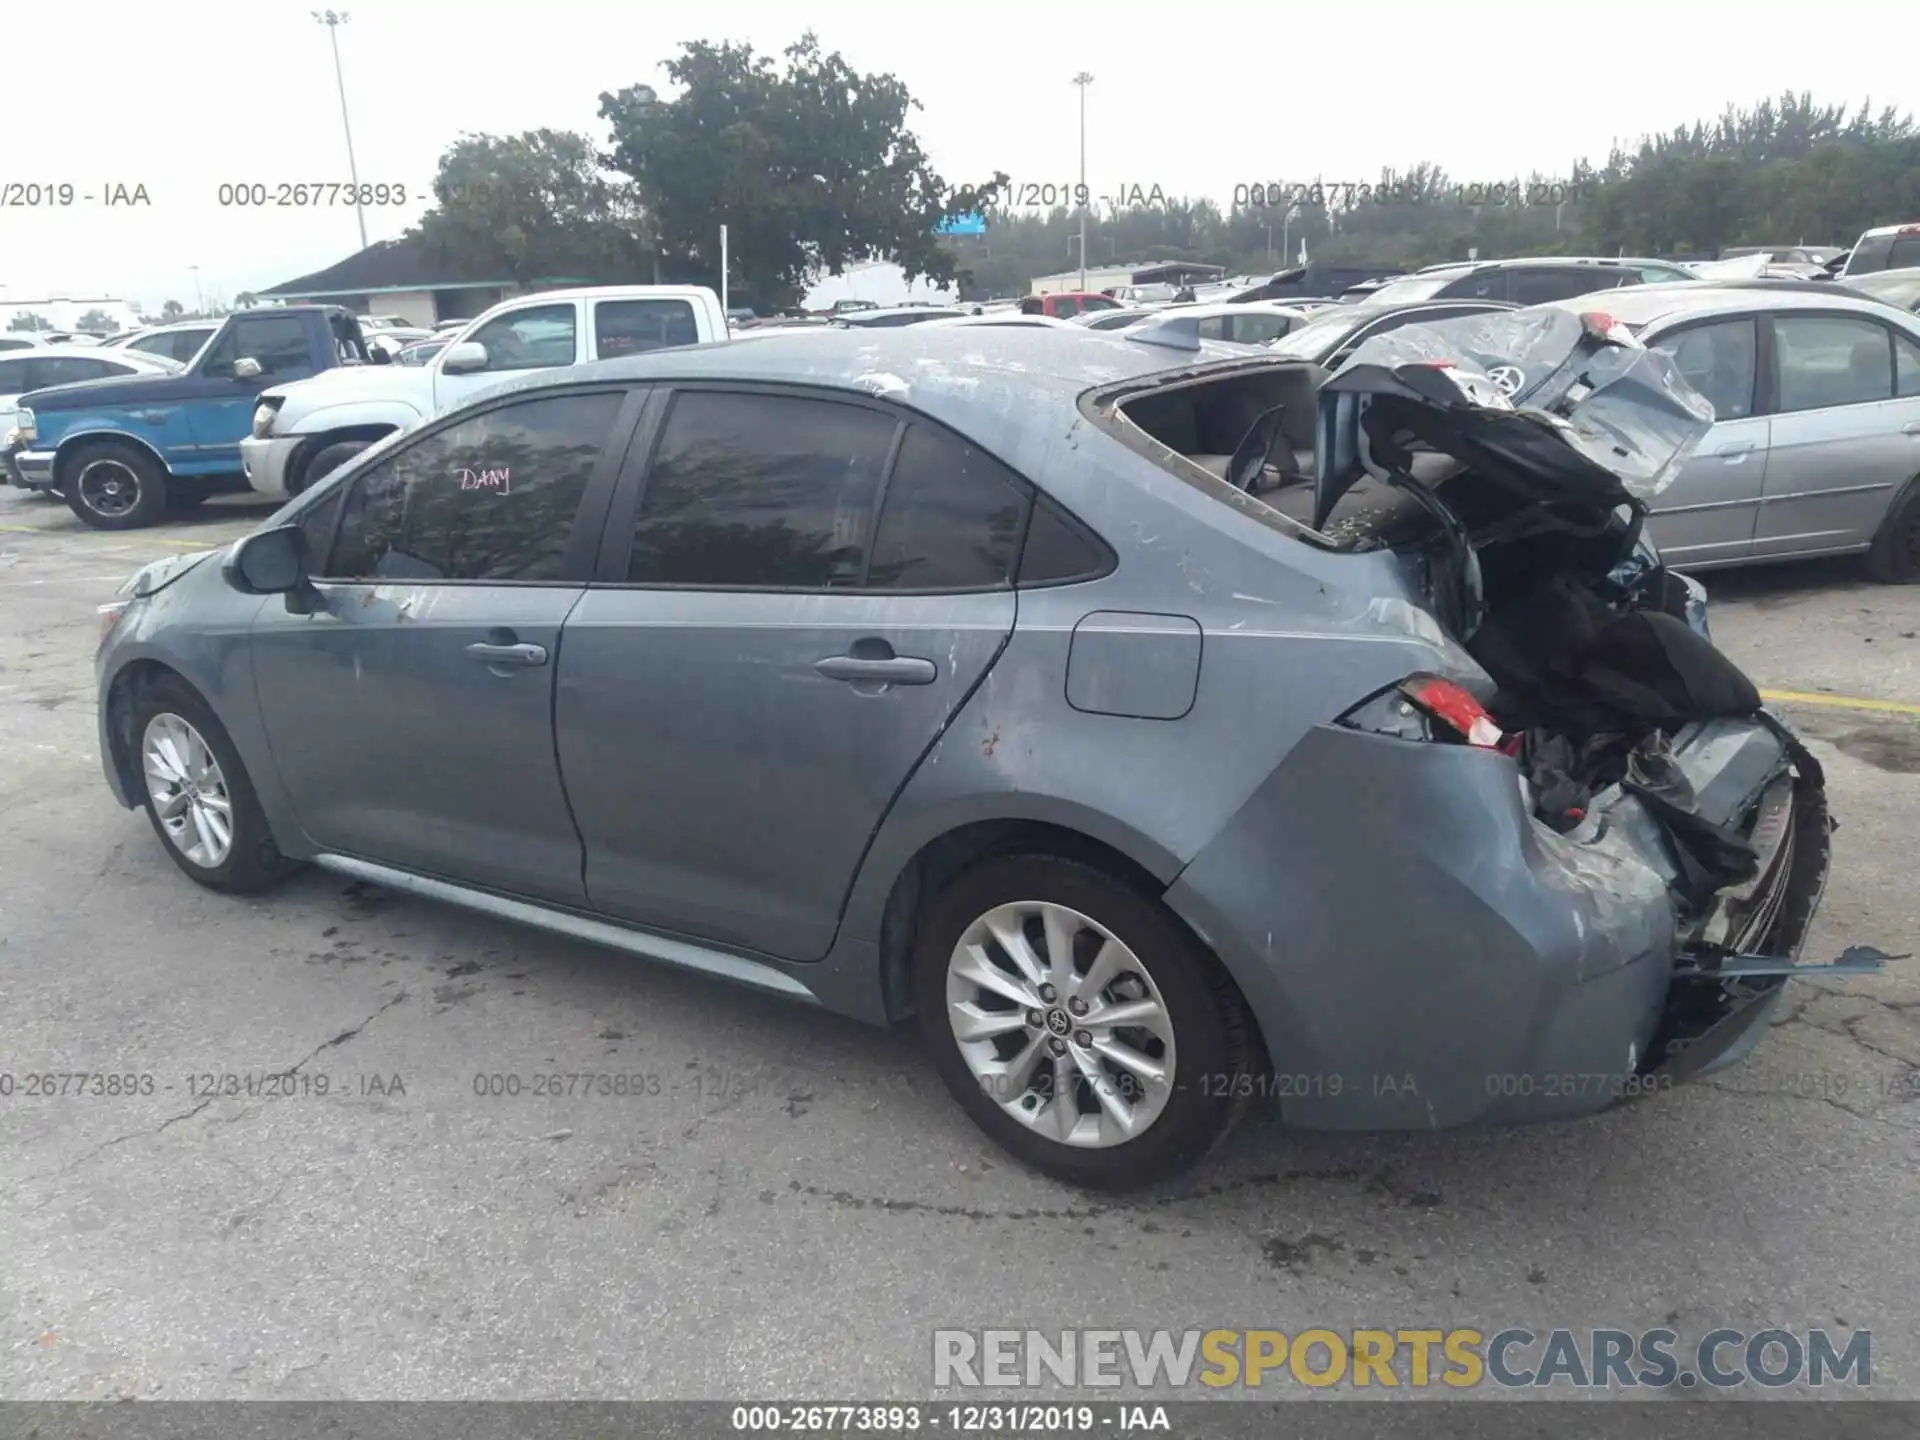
{"type": "Point", "coordinates": [1214, 1037]}
{"type": "Point", "coordinates": [329, 459]}
{"type": "Point", "coordinates": [1895, 556]}
{"type": "Point", "coordinates": [97, 480]}
{"type": "Point", "coordinates": [253, 861]}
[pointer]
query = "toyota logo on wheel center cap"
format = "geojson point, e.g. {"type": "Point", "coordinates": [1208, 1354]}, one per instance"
{"type": "Point", "coordinates": [1057, 1021]}
{"type": "Point", "coordinates": [1508, 377]}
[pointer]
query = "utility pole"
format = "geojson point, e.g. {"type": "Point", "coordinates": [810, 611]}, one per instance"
{"type": "Point", "coordinates": [333, 20]}
{"type": "Point", "coordinates": [1082, 80]}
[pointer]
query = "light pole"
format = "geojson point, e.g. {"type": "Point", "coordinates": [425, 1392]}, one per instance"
{"type": "Point", "coordinates": [333, 20]}
{"type": "Point", "coordinates": [1082, 80]}
{"type": "Point", "coordinates": [199, 304]}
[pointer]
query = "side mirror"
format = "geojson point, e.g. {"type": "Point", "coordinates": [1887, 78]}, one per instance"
{"type": "Point", "coordinates": [465, 358]}
{"type": "Point", "coordinates": [247, 368]}
{"type": "Point", "coordinates": [271, 562]}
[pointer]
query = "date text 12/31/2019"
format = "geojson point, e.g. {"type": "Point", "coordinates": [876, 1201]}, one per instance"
{"type": "Point", "coordinates": [1348, 194]}
{"type": "Point", "coordinates": [1045, 194]}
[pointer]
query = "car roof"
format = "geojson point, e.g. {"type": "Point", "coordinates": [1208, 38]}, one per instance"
{"type": "Point", "coordinates": [977, 378]}
{"type": "Point", "coordinates": [1648, 304]}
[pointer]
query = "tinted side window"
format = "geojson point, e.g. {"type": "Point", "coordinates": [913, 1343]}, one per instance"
{"type": "Point", "coordinates": [1057, 551]}
{"type": "Point", "coordinates": [183, 345]}
{"type": "Point", "coordinates": [1824, 360]}
{"type": "Point", "coordinates": [1547, 284]}
{"type": "Point", "coordinates": [627, 327]}
{"type": "Point", "coordinates": [278, 342]}
{"type": "Point", "coordinates": [753, 491]}
{"type": "Point", "coordinates": [13, 377]}
{"type": "Point", "coordinates": [1718, 361]}
{"type": "Point", "coordinates": [491, 498]}
{"type": "Point", "coordinates": [7, 344]}
{"type": "Point", "coordinates": [952, 518]}
{"type": "Point", "coordinates": [1483, 284]}
{"type": "Point", "coordinates": [533, 339]}
{"type": "Point", "coordinates": [1065, 307]}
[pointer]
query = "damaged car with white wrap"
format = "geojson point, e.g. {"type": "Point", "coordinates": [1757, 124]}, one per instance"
{"type": "Point", "coordinates": [1576, 862]}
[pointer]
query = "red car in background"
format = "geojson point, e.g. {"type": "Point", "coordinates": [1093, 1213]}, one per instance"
{"type": "Point", "coordinates": [1067, 304]}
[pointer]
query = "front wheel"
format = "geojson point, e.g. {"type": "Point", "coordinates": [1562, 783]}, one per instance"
{"type": "Point", "coordinates": [198, 794]}
{"type": "Point", "coordinates": [111, 485]}
{"type": "Point", "coordinates": [1079, 1023]}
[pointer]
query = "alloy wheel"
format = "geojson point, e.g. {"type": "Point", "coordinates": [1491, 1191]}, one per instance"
{"type": "Point", "coordinates": [189, 792]}
{"type": "Point", "coordinates": [1061, 1024]}
{"type": "Point", "coordinates": [109, 488]}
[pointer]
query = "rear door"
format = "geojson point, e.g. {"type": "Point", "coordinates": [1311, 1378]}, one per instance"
{"type": "Point", "coordinates": [1846, 431]}
{"type": "Point", "coordinates": [762, 665]}
{"type": "Point", "coordinates": [1707, 516]}
{"type": "Point", "coordinates": [411, 712]}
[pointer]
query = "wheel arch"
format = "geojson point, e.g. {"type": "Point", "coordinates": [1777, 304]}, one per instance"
{"type": "Point", "coordinates": [943, 856]}
{"type": "Point", "coordinates": [124, 692]}
{"type": "Point", "coordinates": [72, 444]}
{"type": "Point", "coordinates": [312, 445]}
{"type": "Point", "coordinates": [1906, 498]}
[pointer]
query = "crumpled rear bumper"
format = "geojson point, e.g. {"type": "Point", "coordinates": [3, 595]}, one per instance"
{"type": "Point", "coordinates": [1420, 953]}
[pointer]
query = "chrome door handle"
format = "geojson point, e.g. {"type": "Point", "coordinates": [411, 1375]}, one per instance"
{"type": "Point", "coordinates": [894, 670]}
{"type": "Point", "coordinates": [1736, 449]}
{"type": "Point", "coordinates": [509, 654]}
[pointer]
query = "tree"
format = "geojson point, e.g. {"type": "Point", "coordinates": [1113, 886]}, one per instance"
{"type": "Point", "coordinates": [97, 322]}
{"type": "Point", "coordinates": [172, 310]}
{"type": "Point", "coordinates": [534, 206]}
{"type": "Point", "coordinates": [28, 320]}
{"type": "Point", "coordinates": [810, 167]}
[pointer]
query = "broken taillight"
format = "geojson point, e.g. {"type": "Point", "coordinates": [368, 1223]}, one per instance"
{"type": "Point", "coordinates": [1409, 710]}
{"type": "Point", "coordinates": [1455, 706]}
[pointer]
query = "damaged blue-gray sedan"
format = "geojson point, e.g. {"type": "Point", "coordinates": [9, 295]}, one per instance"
{"type": "Point", "coordinates": [1166, 728]}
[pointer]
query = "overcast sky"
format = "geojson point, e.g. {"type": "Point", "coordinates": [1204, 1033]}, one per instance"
{"type": "Point", "coordinates": [183, 96]}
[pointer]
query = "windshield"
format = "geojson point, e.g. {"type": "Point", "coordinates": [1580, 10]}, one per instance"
{"type": "Point", "coordinates": [1414, 287]}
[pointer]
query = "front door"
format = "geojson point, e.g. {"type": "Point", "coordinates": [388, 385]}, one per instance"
{"type": "Point", "coordinates": [221, 415]}
{"type": "Point", "coordinates": [739, 706]}
{"type": "Point", "coordinates": [534, 337]}
{"type": "Point", "coordinates": [1844, 440]}
{"type": "Point", "coordinates": [411, 713]}
{"type": "Point", "coordinates": [1707, 515]}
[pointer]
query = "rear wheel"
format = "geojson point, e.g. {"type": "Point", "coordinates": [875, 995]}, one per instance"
{"type": "Point", "coordinates": [198, 794]}
{"type": "Point", "coordinates": [1895, 556]}
{"type": "Point", "coordinates": [115, 486]}
{"type": "Point", "coordinates": [1078, 1022]}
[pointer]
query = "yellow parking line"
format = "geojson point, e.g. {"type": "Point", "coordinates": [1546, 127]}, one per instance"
{"type": "Point", "coordinates": [1840, 702]}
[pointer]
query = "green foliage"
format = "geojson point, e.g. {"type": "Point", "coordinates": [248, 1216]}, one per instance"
{"type": "Point", "coordinates": [534, 206]}
{"type": "Point", "coordinates": [97, 322]}
{"type": "Point", "coordinates": [173, 310]}
{"type": "Point", "coordinates": [27, 320]}
{"type": "Point", "coordinates": [811, 167]}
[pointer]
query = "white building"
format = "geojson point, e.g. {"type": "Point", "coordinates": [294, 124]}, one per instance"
{"type": "Point", "coordinates": [882, 282]}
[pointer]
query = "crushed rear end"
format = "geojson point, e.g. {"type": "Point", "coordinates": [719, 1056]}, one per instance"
{"type": "Point", "coordinates": [1509, 460]}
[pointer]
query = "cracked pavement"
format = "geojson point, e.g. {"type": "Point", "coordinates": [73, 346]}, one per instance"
{"type": "Point", "coordinates": [786, 1204]}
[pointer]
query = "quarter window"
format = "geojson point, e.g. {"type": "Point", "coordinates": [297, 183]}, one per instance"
{"type": "Point", "coordinates": [952, 518]}
{"type": "Point", "coordinates": [493, 497]}
{"type": "Point", "coordinates": [1906, 367]}
{"type": "Point", "coordinates": [538, 338]}
{"type": "Point", "coordinates": [1827, 360]}
{"type": "Point", "coordinates": [755, 491]}
{"type": "Point", "coordinates": [1718, 361]}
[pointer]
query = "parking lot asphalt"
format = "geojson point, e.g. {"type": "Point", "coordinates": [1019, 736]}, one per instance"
{"type": "Point", "coordinates": [793, 1204]}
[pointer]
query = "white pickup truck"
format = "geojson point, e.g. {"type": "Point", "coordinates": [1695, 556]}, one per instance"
{"type": "Point", "coordinates": [303, 430]}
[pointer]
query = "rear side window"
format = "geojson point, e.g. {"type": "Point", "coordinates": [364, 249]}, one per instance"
{"type": "Point", "coordinates": [492, 497]}
{"type": "Point", "coordinates": [1547, 284]}
{"type": "Point", "coordinates": [1065, 307]}
{"type": "Point", "coordinates": [13, 377]}
{"type": "Point", "coordinates": [753, 491]}
{"type": "Point", "coordinates": [629, 327]}
{"type": "Point", "coordinates": [64, 369]}
{"type": "Point", "coordinates": [1483, 284]}
{"type": "Point", "coordinates": [1058, 550]}
{"type": "Point", "coordinates": [951, 520]}
{"type": "Point", "coordinates": [1827, 360]}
